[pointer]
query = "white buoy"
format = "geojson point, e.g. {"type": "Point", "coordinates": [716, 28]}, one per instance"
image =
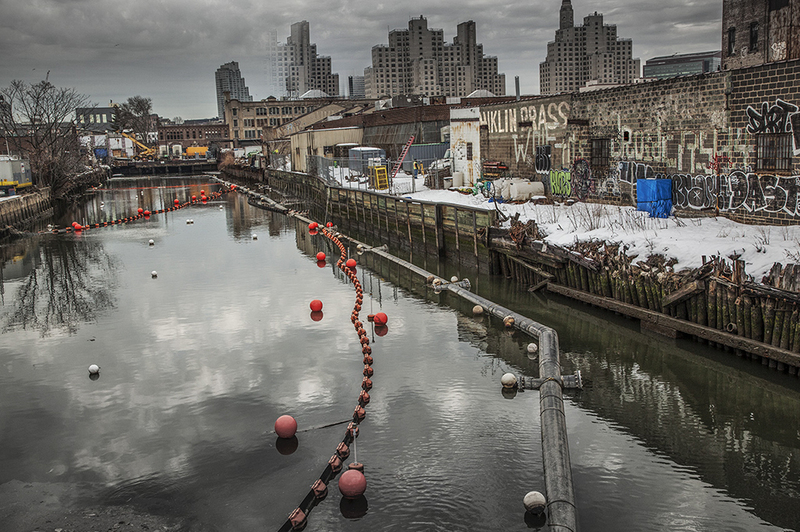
{"type": "Point", "coordinates": [255, 236]}
{"type": "Point", "coordinates": [221, 207]}
{"type": "Point", "coordinates": [532, 348]}
{"type": "Point", "coordinates": [508, 321]}
{"type": "Point", "coordinates": [154, 274]}
{"type": "Point", "coordinates": [152, 242]}
{"type": "Point", "coordinates": [437, 282]}
{"type": "Point", "coordinates": [508, 380]}
{"type": "Point", "coordinates": [94, 369]}
{"type": "Point", "coordinates": [454, 279]}
{"type": "Point", "coordinates": [534, 502]}
{"type": "Point", "coordinates": [477, 310]}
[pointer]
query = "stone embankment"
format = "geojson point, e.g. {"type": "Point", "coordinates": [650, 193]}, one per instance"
{"type": "Point", "coordinates": [18, 213]}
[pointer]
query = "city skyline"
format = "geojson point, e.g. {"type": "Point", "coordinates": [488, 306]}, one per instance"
{"type": "Point", "coordinates": [170, 54]}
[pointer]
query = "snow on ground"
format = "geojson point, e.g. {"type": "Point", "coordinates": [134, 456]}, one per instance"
{"type": "Point", "coordinates": [684, 239]}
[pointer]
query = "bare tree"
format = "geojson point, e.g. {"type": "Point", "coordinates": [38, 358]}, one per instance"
{"type": "Point", "coordinates": [135, 115]}
{"type": "Point", "coordinates": [38, 120]}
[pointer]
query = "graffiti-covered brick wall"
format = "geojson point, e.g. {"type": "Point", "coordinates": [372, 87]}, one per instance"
{"type": "Point", "coordinates": [729, 141]}
{"type": "Point", "coordinates": [527, 136]}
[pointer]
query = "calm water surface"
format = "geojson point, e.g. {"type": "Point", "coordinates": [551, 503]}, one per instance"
{"type": "Point", "coordinates": [198, 363]}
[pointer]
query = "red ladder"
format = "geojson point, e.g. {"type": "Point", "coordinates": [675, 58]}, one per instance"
{"type": "Point", "coordinates": [399, 162]}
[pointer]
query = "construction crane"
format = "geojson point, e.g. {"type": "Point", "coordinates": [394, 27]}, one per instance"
{"type": "Point", "coordinates": [145, 152]}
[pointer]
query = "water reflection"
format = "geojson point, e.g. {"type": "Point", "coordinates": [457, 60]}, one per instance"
{"type": "Point", "coordinates": [64, 282]}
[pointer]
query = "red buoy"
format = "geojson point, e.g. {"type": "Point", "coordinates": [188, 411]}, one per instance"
{"type": "Point", "coordinates": [194, 197]}
{"type": "Point", "coordinates": [329, 224]}
{"type": "Point", "coordinates": [381, 318]}
{"type": "Point", "coordinates": [147, 213]}
{"type": "Point", "coordinates": [177, 201]}
{"type": "Point", "coordinates": [313, 225]}
{"type": "Point", "coordinates": [316, 305]}
{"type": "Point", "coordinates": [351, 263]}
{"type": "Point", "coordinates": [321, 256]}
{"type": "Point", "coordinates": [352, 484]}
{"type": "Point", "coordinates": [140, 210]}
{"type": "Point", "coordinates": [285, 426]}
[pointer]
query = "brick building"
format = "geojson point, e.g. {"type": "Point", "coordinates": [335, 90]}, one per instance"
{"type": "Point", "coordinates": [728, 140]}
{"type": "Point", "coordinates": [211, 135]}
{"type": "Point", "coordinates": [588, 53]}
{"type": "Point", "coordinates": [418, 61]}
{"type": "Point", "coordinates": [759, 31]}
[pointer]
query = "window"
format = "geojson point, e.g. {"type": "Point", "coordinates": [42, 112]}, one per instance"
{"type": "Point", "coordinates": [731, 41]}
{"type": "Point", "coordinates": [753, 36]}
{"type": "Point", "coordinates": [601, 153]}
{"type": "Point", "coordinates": [469, 151]}
{"type": "Point", "coordinates": [774, 152]}
{"type": "Point", "coordinates": [235, 111]}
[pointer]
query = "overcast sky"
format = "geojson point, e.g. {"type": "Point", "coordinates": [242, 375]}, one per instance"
{"type": "Point", "coordinates": [168, 50]}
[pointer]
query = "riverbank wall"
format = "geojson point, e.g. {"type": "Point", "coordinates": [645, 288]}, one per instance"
{"type": "Point", "coordinates": [18, 213]}
{"type": "Point", "coordinates": [715, 304]}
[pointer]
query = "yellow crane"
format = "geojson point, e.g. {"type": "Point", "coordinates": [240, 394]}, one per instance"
{"type": "Point", "coordinates": [145, 152]}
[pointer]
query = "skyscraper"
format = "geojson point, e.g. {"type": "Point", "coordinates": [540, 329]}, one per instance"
{"type": "Point", "coordinates": [229, 79]}
{"type": "Point", "coordinates": [581, 54]}
{"type": "Point", "coordinates": [296, 68]}
{"type": "Point", "coordinates": [417, 61]}
{"type": "Point", "coordinates": [355, 87]}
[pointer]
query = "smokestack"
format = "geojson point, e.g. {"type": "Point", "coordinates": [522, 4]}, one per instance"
{"type": "Point", "coordinates": [516, 82]}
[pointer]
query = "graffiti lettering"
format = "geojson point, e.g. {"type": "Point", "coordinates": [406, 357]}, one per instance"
{"type": "Point", "coordinates": [736, 191]}
{"type": "Point", "coordinates": [771, 118]}
{"type": "Point", "coordinates": [582, 182]}
{"type": "Point", "coordinates": [560, 183]}
{"type": "Point", "coordinates": [694, 192]}
{"type": "Point", "coordinates": [542, 158]}
{"type": "Point", "coordinates": [630, 171]}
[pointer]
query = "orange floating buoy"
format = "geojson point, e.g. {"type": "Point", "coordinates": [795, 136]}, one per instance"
{"type": "Point", "coordinates": [352, 484]}
{"type": "Point", "coordinates": [194, 197]}
{"type": "Point", "coordinates": [321, 256]}
{"type": "Point", "coordinates": [147, 213]}
{"type": "Point", "coordinates": [285, 426]}
{"type": "Point", "coordinates": [320, 489]}
{"type": "Point", "coordinates": [336, 464]}
{"type": "Point", "coordinates": [316, 305]}
{"type": "Point", "coordinates": [368, 360]}
{"type": "Point", "coordinates": [359, 413]}
{"type": "Point", "coordinates": [351, 263]}
{"type": "Point", "coordinates": [368, 371]}
{"type": "Point", "coordinates": [342, 450]}
{"type": "Point", "coordinates": [298, 519]}
{"type": "Point", "coordinates": [363, 397]}
{"type": "Point", "coordinates": [177, 201]}
{"type": "Point", "coordinates": [366, 350]}
{"type": "Point", "coordinates": [313, 225]}
{"type": "Point", "coordinates": [366, 383]}
{"type": "Point", "coordinates": [364, 340]}
{"type": "Point", "coordinates": [381, 318]}
{"type": "Point", "coordinates": [140, 210]}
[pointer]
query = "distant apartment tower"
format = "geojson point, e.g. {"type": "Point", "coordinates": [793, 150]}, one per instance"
{"type": "Point", "coordinates": [681, 65]}
{"type": "Point", "coordinates": [229, 79]}
{"type": "Point", "coordinates": [755, 32]}
{"type": "Point", "coordinates": [418, 61]}
{"type": "Point", "coordinates": [355, 88]}
{"type": "Point", "coordinates": [581, 54]}
{"type": "Point", "coordinates": [294, 68]}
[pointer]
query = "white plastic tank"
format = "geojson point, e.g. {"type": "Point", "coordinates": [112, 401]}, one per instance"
{"type": "Point", "coordinates": [458, 179]}
{"type": "Point", "coordinates": [523, 191]}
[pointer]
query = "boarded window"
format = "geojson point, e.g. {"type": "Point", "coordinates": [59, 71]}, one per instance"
{"type": "Point", "coordinates": [774, 152]}
{"type": "Point", "coordinates": [601, 153]}
{"type": "Point", "coordinates": [731, 41]}
{"type": "Point", "coordinates": [469, 151]}
{"type": "Point", "coordinates": [753, 36]}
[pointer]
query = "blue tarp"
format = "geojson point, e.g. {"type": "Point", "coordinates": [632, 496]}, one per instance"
{"type": "Point", "coordinates": [654, 196]}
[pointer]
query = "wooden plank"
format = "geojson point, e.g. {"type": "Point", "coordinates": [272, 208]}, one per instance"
{"type": "Point", "coordinates": [701, 331]}
{"type": "Point", "coordinates": [684, 293]}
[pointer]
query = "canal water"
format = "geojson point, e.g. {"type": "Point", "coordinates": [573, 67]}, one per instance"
{"type": "Point", "coordinates": [198, 362]}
